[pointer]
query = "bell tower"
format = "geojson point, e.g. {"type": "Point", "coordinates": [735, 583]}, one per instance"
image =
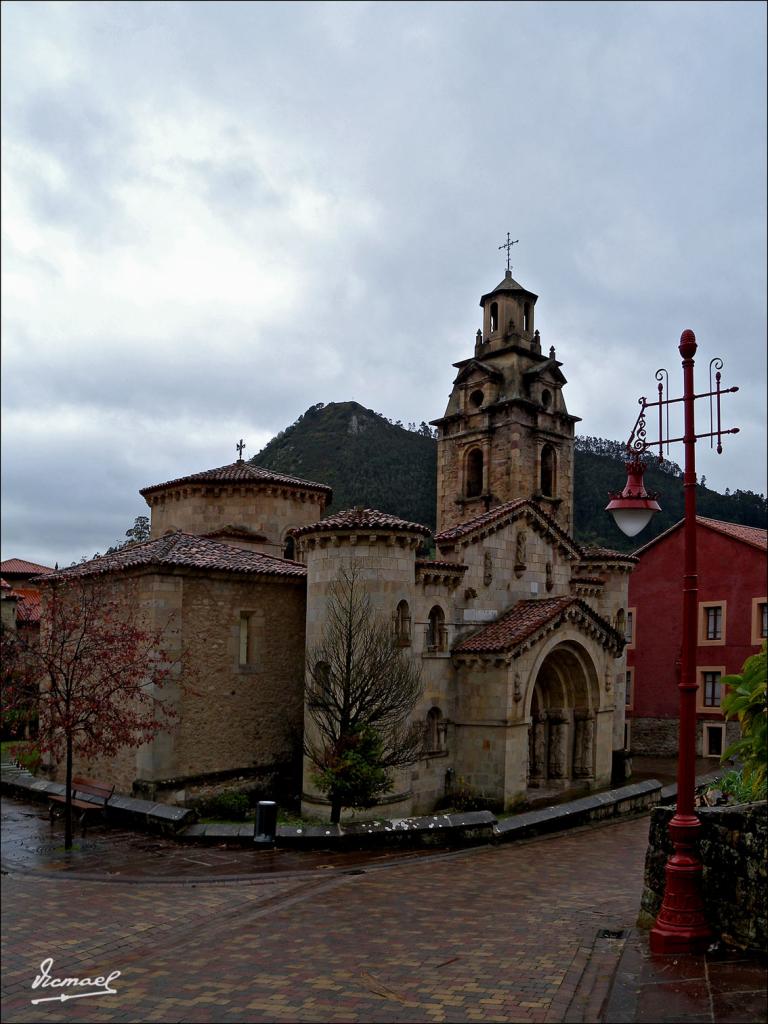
{"type": "Point", "coordinates": [506, 432]}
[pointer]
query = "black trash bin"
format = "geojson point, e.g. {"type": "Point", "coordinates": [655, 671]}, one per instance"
{"type": "Point", "coordinates": [265, 829]}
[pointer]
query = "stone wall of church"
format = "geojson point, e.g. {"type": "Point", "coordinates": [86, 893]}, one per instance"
{"type": "Point", "coordinates": [240, 715]}
{"type": "Point", "coordinates": [499, 580]}
{"type": "Point", "coordinates": [268, 511]}
{"type": "Point", "coordinates": [386, 566]}
{"type": "Point", "coordinates": [230, 716]}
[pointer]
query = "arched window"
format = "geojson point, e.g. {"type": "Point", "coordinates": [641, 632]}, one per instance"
{"type": "Point", "coordinates": [548, 471]}
{"type": "Point", "coordinates": [476, 398]}
{"type": "Point", "coordinates": [494, 317]}
{"type": "Point", "coordinates": [527, 316]}
{"type": "Point", "coordinates": [322, 676]}
{"type": "Point", "coordinates": [474, 473]}
{"type": "Point", "coordinates": [436, 638]}
{"type": "Point", "coordinates": [434, 732]}
{"type": "Point", "coordinates": [289, 548]}
{"type": "Point", "coordinates": [403, 625]}
{"type": "Point", "coordinates": [621, 621]}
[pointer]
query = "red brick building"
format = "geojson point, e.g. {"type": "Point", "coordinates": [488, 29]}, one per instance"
{"type": "Point", "coordinates": [732, 622]}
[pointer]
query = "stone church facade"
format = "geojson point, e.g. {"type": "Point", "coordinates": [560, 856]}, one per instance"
{"type": "Point", "coordinates": [516, 629]}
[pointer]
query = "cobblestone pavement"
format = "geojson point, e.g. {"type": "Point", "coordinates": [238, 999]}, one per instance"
{"type": "Point", "coordinates": [532, 931]}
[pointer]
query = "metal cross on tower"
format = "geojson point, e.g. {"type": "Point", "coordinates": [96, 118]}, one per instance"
{"type": "Point", "coordinates": [240, 445]}
{"type": "Point", "coordinates": [508, 246]}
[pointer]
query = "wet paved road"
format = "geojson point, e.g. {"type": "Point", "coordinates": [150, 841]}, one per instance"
{"type": "Point", "coordinates": [31, 843]}
{"type": "Point", "coordinates": [525, 932]}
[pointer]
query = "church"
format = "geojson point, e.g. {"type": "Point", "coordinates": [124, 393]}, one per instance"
{"type": "Point", "coordinates": [518, 631]}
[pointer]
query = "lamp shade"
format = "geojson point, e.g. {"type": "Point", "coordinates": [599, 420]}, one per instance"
{"type": "Point", "coordinates": [633, 507]}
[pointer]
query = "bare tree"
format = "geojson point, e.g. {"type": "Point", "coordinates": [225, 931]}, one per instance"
{"type": "Point", "coordinates": [361, 690]}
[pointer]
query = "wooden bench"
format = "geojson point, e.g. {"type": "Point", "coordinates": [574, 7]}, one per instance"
{"type": "Point", "coordinates": [85, 787]}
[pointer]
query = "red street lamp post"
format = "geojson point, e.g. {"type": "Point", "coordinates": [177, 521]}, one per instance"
{"type": "Point", "coordinates": [680, 926]}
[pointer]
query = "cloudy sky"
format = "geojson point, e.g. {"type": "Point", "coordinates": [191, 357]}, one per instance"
{"type": "Point", "coordinates": [218, 214]}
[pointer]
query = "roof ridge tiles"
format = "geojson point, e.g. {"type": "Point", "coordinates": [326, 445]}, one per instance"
{"type": "Point", "coordinates": [238, 473]}
{"type": "Point", "coordinates": [447, 537]}
{"type": "Point", "coordinates": [522, 621]}
{"type": "Point", "coordinates": [362, 519]}
{"type": "Point", "coordinates": [184, 550]}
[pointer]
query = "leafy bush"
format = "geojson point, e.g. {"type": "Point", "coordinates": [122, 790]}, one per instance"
{"type": "Point", "coordinates": [733, 785]}
{"type": "Point", "coordinates": [233, 806]}
{"type": "Point", "coordinates": [746, 700]}
{"type": "Point", "coordinates": [27, 755]}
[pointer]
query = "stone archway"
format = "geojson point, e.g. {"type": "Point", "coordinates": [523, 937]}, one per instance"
{"type": "Point", "coordinates": [564, 701]}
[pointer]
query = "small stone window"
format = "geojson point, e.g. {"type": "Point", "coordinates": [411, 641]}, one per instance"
{"type": "Point", "coordinates": [436, 632]}
{"type": "Point", "coordinates": [434, 732]}
{"type": "Point", "coordinates": [289, 548]}
{"type": "Point", "coordinates": [527, 316]}
{"type": "Point", "coordinates": [546, 398]}
{"type": "Point", "coordinates": [548, 471]}
{"type": "Point", "coordinates": [621, 621]}
{"type": "Point", "coordinates": [245, 639]}
{"type": "Point", "coordinates": [403, 625]}
{"type": "Point", "coordinates": [474, 486]}
{"type": "Point", "coordinates": [476, 398]}
{"type": "Point", "coordinates": [494, 324]}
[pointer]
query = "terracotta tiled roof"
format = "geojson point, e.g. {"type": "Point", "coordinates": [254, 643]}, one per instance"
{"type": "Point", "coordinates": [238, 473]}
{"type": "Point", "coordinates": [447, 538]}
{"type": "Point", "coordinates": [457, 532]}
{"type": "Point", "coordinates": [28, 608]}
{"type": "Point", "coordinates": [523, 621]}
{"type": "Point", "coordinates": [185, 550]}
{"type": "Point", "coordinates": [515, 625]}
{"type": "Point", "coordinates": [362, 519]}
{"type": "Point", "coordinates": [19, 565]}
{"type": "Point", "coordinates": [595, 554]}
{"type": "Point", "coordinates": [749, 534]}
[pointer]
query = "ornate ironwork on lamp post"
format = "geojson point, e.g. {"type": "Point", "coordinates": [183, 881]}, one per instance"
{"type": "Point", "coordinates": [680, 926]}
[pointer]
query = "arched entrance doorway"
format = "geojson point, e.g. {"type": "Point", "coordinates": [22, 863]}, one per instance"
{"type": "Point", "coordinates": [561, 736]}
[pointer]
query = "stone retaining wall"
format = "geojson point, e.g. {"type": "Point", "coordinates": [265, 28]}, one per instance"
{"type": "Point", "coordinates": [734, 852]}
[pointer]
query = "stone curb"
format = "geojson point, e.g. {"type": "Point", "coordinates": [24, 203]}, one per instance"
{"type": "Point", "coordinates": [614, 803]}
{"type": "Point", "coordinates": [471, 828]}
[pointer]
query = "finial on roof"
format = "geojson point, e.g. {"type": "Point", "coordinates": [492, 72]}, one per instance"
{"type": "Point", "coordinates": [508, 246]}
{"type": "Point", "coordinates": [551, 351]}
{"type": "Point", "coordinates": [240, 445]}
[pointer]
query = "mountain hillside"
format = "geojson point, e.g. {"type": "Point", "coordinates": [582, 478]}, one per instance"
{"type": "Point", "coordinates": [365, 459]}
{"type": "Point", "coordinates": [368, 460]}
